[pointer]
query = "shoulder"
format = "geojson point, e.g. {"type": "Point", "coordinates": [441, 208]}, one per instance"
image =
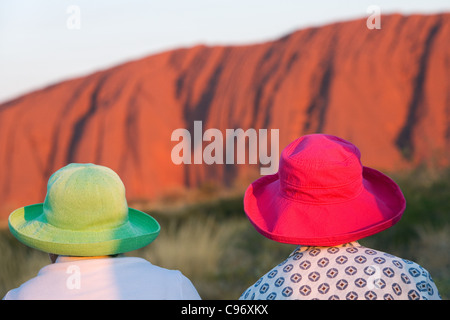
{"type": "Point", "coordinates": [33, 288]}
{"type": "Point", "coordinates": [405, 276]}
{"type": "Point", "coordinates": [143, 264]}
{"type": "Point", "coordinates": [145, 267]}
{"type": "Point", "coordinates": [168, 282]}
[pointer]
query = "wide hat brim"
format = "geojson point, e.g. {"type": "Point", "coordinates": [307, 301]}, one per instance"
{"type": "Point", "coordinates": [28, 224]}
{"type": "Point", "coordinates": [378, 206]}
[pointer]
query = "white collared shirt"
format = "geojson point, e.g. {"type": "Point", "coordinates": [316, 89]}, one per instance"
{"type": "Point", "coordinates": [105, 278]}
{"type": "Point", "coordinates": [345, 272]}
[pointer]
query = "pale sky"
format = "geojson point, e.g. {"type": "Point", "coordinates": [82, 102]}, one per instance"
{"type": "Point", "coordinates": [40, 43]}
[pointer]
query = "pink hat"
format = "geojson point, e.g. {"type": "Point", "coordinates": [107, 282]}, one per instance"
{"type": "Point", "coordinates": [322, 195]}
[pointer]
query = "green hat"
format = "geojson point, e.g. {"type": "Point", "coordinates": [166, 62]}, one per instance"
{"type": "Point", "coordinates": [85, 213]}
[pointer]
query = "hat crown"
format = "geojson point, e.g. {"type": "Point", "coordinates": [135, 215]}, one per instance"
{"type": "Point", "coordinates": [320, 168]}
{"type": "Point", "coordinates": [85, 197]}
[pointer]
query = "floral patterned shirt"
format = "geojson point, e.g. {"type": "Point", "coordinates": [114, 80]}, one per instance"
{"type": "Point", "coordinates": [346, 272]}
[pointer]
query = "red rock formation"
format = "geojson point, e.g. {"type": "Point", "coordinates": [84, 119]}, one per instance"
{"type": "Point", "coordinates": [387, 91]}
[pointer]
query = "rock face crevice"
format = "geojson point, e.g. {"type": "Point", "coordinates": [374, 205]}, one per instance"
{"type": "Point", "coordinates": [387, 91]}
{"type": "Point", "coordinates": [417, 104]}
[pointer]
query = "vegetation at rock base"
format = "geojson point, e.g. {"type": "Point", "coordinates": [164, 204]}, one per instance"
{"type": "Point", "coordinates": [215, 246]}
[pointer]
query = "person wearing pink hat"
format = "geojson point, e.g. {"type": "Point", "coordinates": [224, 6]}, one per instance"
{"type": "Point", "coordinates": [324, 200]}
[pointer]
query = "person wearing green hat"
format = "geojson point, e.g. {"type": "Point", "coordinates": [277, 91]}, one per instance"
{"type": "Point", "coordinates": [85, 225]}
